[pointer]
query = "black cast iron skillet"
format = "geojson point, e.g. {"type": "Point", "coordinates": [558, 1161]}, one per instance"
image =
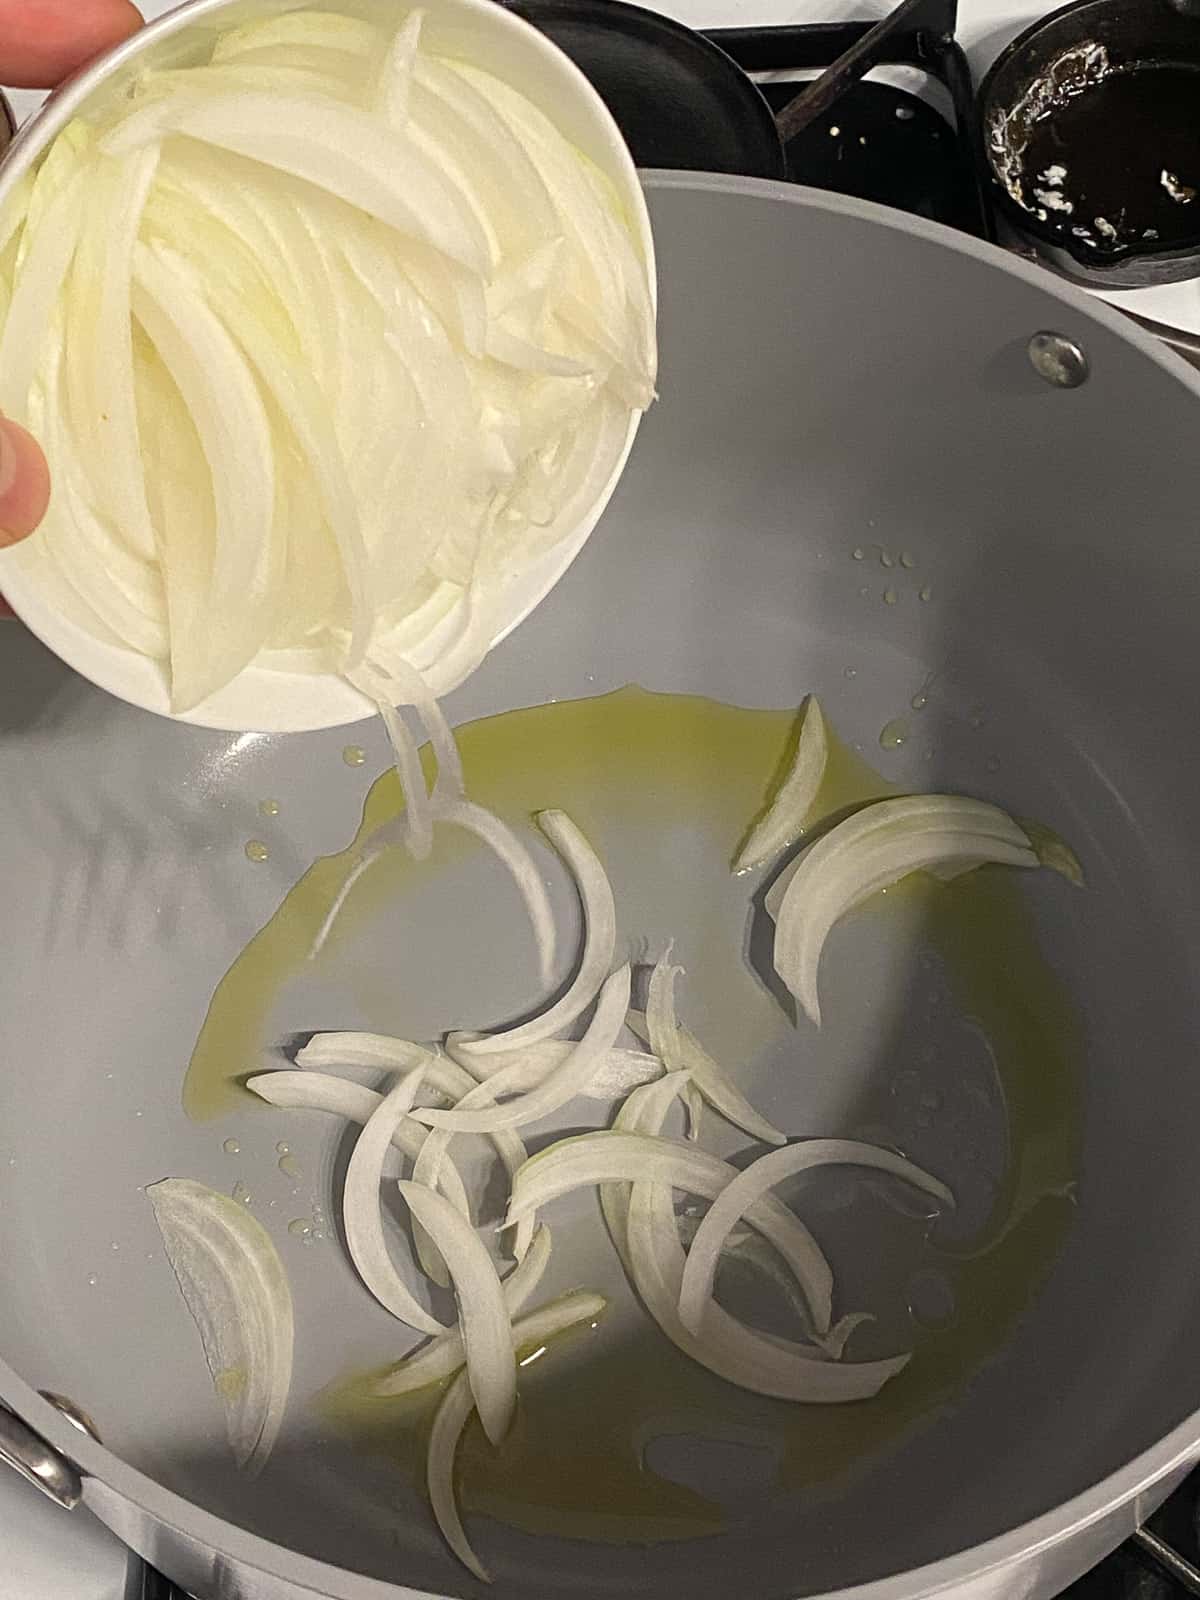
{"type": "Point", "coordinates": [1139, 36]}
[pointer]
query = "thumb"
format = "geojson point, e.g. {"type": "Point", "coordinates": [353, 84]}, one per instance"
{"type": "Point", "coordinates": [24, 483]}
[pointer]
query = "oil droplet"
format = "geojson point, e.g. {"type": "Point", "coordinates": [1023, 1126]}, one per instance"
{"type": "Point", "coordinates": [115, 1245]}
{"type": "Point", "coordinates": [231, 1147]}
{"type": "Point", "coordinates": [108, 1075]}
{"type": "Point", "coordinates": [282, 1149]}
{"type": "Point", "coordinates": [907, 560]}
{"type": "Point", "coordinates": [289, 1166]}
{"type": "Point", "coordinates": [268, 808]}
{"type": "Point", "coordinates": [139, 1113]}
{"type": "Point", "coordinates": [890, 597]}
{"type": "Point", "coordinates": [864, 591]}
{"type": "Point", "coordinates": [256, 850]}
{"type": "Point", "coordinates": [919, 702]}
{"type": "Point", "coordinates": [894, 733]}
{"type": "Point", "coordinates": [300, 1228]}
{"type": "Point", "coordinates": [354, 755]}
{"type": "Point", "coordinates": [92, 1280]}
{"type": "Point", "coordinates": [850, 672]}
{"type": "Point", "coordinates": [858, 553]}
{"type": "Point", "coordinates": [241, 1193]}
{"type": "Point", "coordinates": [925, 593]}
{"type": "Point", "coordinates": [885, 560]}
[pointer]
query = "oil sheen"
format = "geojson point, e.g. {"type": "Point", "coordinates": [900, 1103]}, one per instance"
{"type": "Point", "coordinates": [621, 764]}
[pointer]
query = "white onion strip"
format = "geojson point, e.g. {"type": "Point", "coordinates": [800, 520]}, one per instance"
{"type": "Point", "coordinates": [320, 1091]}
{"type": "Point", "coordinates": [442, 1357]}
{"type": "Point", "coordinates": [362, 1209]}
{"type": "Point", "coordinates": [609, 1156]}
{"type": "Point", "coordinates": [621, 1071]}
{"type": "Point", "coordinates": [482, 1314]}
{"type": "Point", "coordinates": [500, 838]}
{"type": "Point", "coordinates": [758, 1179]}
{"type": "Point", "coordinates": [784, 820]}
{"type": "Point", "coordinates": [600, 939]}
{"type": "Point", "coordinates": [713, 1082]}
{"type": "Point", "coordinates": [455, 1412]}
{"type": "Point", "coordinates": [567, 1081]}
{"type": "Point", "coordinates": [237, 1292]}
{"type": "Point", "coordinates": [871, 850]}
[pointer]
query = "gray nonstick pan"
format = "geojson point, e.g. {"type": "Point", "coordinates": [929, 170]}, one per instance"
{"type": "Point", "coordinates": [856, 482]}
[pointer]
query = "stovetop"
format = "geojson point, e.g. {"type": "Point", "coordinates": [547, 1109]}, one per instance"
{"type": "Point", "coordinates": [891, 140]}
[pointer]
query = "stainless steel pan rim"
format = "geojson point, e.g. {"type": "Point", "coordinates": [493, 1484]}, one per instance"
{"type": "Point", "coordinates": [1120, 1501]}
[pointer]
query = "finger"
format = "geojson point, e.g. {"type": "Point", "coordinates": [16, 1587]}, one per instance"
{"type": "Point", "coordinates": [24, 483]}
{"type": "Point", "coordinates": [44, 41]}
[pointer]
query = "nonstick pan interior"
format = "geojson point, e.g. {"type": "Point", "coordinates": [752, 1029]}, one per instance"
{"type": "Point", "coordinates": [810, 422]}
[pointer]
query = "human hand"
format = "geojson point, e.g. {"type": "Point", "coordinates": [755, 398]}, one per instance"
{"type": "Point", "coordinates": [41, 43]}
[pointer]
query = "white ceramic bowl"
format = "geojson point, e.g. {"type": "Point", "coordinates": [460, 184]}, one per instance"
{"type": "Point", "coordinates": [261, 698]}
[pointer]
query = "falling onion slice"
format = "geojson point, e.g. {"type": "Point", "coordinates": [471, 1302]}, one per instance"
{"type": "Point", "coordinates": [477, 1112]}
{"type": "Point", "coordinates": [442, 1357]}
{"type": "Point", "coordinates": [456, 1407]}
{"type": "Point", "coordinates": [787, 814]}
{"type": "Point", "coordinates": [609, 1156]}
{"type": "Point", "coordinates": [362, 1208]}
{"type": "Point", "coordinates": [237, 1292]}
{"type": "Point", "coordinates": [870, 851]}
{"type": "Point", "coordinates": [483, 1316]}
{"type": "Point", "coordinates": [758, 1179]}
{"type": "Point", "coordinates": [600, 918]}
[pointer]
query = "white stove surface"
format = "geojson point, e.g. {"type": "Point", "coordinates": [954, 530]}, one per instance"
{"type": "Point", "coordinates": [52, 1555]}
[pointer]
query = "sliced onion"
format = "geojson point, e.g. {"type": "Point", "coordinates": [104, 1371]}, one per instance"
{"type": "Point", "coordinates": [337, 147]}
{"type": "Point", "coordinates": [1053, 851]}
{"type": "Point", "coordinates": [482, 1314]}
{"type": "Point", "coordinates": [237, 1292]}
{"type": "Point", "coordinates": [600, 918]}
{"type": "Point", "coordinates": [417, 820]}
{"type": "Point", "coordinates": [871, 850]}
{"type": "Point", "coordinates": [362, 1211]}
{"type": "Point", "coordinates": [455, 1412]}
{"type": "Point", "coordinates": [619, 1072]}
{"type": "Point", "coordinates": [500, 838]}
{"type": "Point", "coordinates": [442, 1357]}
{"type": "Point", "coordinates": [396, 71]}
{"type": "Point", "coordinates": [609, 1156]}
{"type": "Point", "coordinates": [319, 1091]}
{"type": "Point", "coordinates": [561, 1086]}
{"type": "Point", "coordinates": [758, 1179]}
{"type": "Point", "coordinates": [411, 689]}
{"type": "Point", "coordinates": [784, 820]}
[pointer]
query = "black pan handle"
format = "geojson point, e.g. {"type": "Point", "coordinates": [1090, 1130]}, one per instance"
{"type": "Point", "coordinates": [151, 1585]}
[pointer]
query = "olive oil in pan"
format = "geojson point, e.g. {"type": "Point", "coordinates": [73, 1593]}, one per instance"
{"type": "Point", "coordinates": [625, 765]}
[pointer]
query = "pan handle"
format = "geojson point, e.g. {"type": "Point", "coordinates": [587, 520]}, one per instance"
{"type": "Point", "coordinates": [32, 1457]}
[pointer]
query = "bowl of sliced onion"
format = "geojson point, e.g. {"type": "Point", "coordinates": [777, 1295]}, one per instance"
{"type": "Point", "coordinates": [336, 325]}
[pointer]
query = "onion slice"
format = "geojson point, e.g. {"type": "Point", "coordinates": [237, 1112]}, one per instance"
{"type": "Point", "coordinates": [362, 1211]}
{"type": "Point", "coordinates": [455, 1412]}
{"type": "Point", "coordinates": [482, 1314]}
{"type": "Point", "coordinates": [610, 1156]}
{"type": "Point", "coordinates": [567, 1081]}
{"type": "Point", "coordinates": [237, 1292]}
{"type": "Point", "coordinates": [500, 838]}
{"type": "Point", "coordinates": [871, 850]}
{"type": "Point", "coordinates": [320, 1091]}
{"type": "Point", "coordinates": [681, 1051]}
{"type": "Point", "coordinates": [619, 1072]}
{"type": "Point", "coordinates": [442, 1357]}
{"type": "Point", "coordinates": [783, 822]}
{"type": "Point", "coordinates": [758, 1179]}
{"type": "Point", "coordinates": [600, 939]}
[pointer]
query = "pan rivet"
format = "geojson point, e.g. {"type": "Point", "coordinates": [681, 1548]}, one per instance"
{"type": "Point", "coordinates": [1058, 359]}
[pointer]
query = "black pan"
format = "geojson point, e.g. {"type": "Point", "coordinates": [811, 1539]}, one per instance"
{"type": "Point", "coordinates": [1109, 92]}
